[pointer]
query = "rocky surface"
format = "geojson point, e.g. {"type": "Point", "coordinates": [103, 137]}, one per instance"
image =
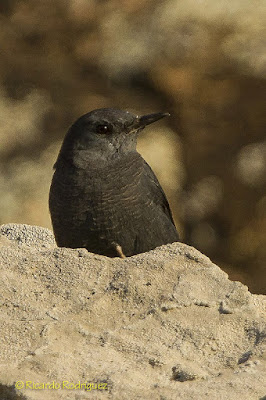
{"type": "Point", "coordinates": [167, 324]}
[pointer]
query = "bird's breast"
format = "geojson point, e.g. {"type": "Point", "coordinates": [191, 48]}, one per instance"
{"type": "Point", "coordinates": [100, 196]}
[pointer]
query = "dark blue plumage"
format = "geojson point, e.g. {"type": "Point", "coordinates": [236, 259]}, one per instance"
{"type": "Point", "coordinates": [103, 195]}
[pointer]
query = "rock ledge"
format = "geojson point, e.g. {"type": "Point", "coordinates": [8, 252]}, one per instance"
{"type": "Point", "coordinates": [167, 324]}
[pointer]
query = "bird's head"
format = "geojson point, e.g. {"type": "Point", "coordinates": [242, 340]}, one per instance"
{"type": "Point", "coordinates": [104, 134]}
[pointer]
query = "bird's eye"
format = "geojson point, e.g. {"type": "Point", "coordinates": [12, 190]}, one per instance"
{"type": "Point", "coordinates": [104, 129]}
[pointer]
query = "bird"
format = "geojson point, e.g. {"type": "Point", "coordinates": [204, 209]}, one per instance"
{"type": "Point", "coordinates": [104, 196]}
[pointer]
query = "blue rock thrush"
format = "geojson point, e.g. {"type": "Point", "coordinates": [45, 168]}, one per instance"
{"type": "Point", "coordinates": [104, 196]}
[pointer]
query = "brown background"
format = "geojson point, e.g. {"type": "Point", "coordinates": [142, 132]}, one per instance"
{"type": "Point", "coordinates": [204, 62]}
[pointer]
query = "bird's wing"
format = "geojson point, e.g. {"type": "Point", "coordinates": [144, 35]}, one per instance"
{"type": "Point", "coordinates": [157, 193]}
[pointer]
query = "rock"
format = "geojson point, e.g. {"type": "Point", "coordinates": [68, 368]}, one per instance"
{"type": "Point", "coordinates": [28, 235]}
{"type": "Point", "coordinates": [167, 324]}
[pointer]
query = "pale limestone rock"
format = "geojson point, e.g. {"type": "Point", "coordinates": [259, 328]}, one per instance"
{"type": "Point", "coordinates": [167, 324]}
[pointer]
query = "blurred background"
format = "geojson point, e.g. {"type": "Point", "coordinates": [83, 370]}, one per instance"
{"type": "Point", "coordinates": [203, 61]}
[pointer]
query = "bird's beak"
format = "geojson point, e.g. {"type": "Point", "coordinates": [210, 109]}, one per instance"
{"type": "Point", "coordinates": [141, 122]}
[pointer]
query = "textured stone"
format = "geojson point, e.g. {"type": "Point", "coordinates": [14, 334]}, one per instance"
{"type": "Point", "coordinates": [164, 324]}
